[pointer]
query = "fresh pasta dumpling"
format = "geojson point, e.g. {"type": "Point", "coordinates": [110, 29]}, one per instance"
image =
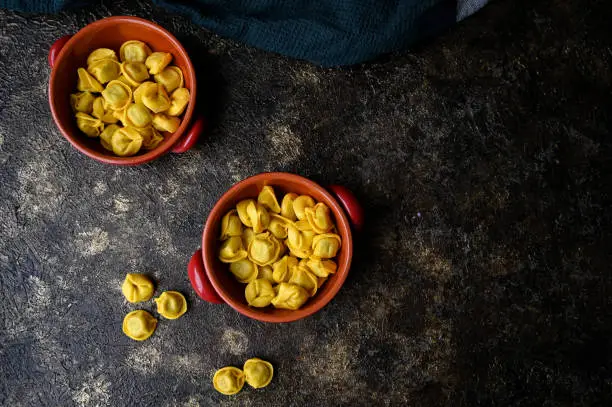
{"type": "Point", "coordinates": [163, 122]}
{"type": "Point", "coordinates": [266, 273]}
{"type": "Point", "coordinates": [231, 225]}
{"type": "Point", "coordinates": [267, 198]}
{"type": "Point", "coordinates": [231, 250]}
{"type": "Point", "coordinates": [137, 115]}
{"type": "Point", "coordinates": [244, 270]}
{"type": "Point", "coordinates": [134, 72]}
{"type": "Point", "coordinates": [300, 204]}
{"type": "Point", "coordinates": [258, 373]}
{"type": "Point", "coordinates": [228, 380]}
{"type": "Point", "coordinates": [300, 275]}
{"type": "Point", "coordinates": [264, 249]}
{"type": "Point", "coordinates": [88, 83]}
{"type": "Point", "coordinates": [303, 225]}
{"type": "Point", "coordinates": [104, 70]}
{"type": "Point", "coordinates": [107, 135]}
{"type": "Point", "coordinates": [137, 288]}
{"type": "Point", "coordinates": [241, 208]}
{"type": "Point", "coordinates": [171, 78]}
{"type": "Point", "coordinates": [145, 87]}
{"type": "Point", "coordinates": [290, 296]}
{"type": "Point", "coordinates": [100, 54]}
{"type": "Point", "coordinates": [259, 217]}
{"type": "Point", "coordinates": [123, 79]}
{"type": "Point", "coordinates": [171, 304]}
{"type": "Point", "coordinates": [134, 51]}
{"type": "Point", "coordinates": [247, 236]}
{"type": "Point", "coordinates": [155, 98]}
{"type": "Point", "coordinates": [158, 61]}
{"type": "Point", "coordinates": [278, 226]}
{"type": "Point", "coordinates": [281, 270]}
{"type": "Point", "coordinates": [319, 218]}
{"type": "Point", "coordinates": [325, 246]}
{"type": "Point", "coordinates": [259, 293]}
{"type": "Point", "coordinates": [91, 126]}
{"type": "Point", "coordinates": [139, 325]}
{"type": "Point", "coordinates": [179, 101]}
{"type": "Point", "coordinates": [101, 112]}
{"type": "Point", "coordinates": [150, 137]}
{"type": "Point", "coordinates": [126, 142]}
{"type": "Point", "coordinates": [299, 242]}
{"type": "Point", "coordinates": [117, 95]}
{"type": "Point", "coordinates": [287, 206]}
{"type": "Point", "coordinates": [82, 102]}
{"type": "Point", "coordinates": [321, 268]}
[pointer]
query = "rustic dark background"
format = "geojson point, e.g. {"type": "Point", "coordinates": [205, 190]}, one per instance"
{"type": "Point", "coordinates": [483, 277]}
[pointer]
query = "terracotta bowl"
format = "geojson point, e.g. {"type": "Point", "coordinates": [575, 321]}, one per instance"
{"type": "Point", "coordinates": [70, 52]}
{"type": "Point", "coordinates": [212, 280]}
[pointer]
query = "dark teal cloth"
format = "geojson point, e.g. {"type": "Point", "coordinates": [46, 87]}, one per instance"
{"type": "Point", "coordinates": [328, 33]}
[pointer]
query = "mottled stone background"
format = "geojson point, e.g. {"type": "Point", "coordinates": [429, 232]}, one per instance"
{"type": "Point", "coordinates": [483, 276]}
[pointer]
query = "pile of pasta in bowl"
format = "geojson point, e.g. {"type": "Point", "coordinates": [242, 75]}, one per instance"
{"type": "Point", "coordinates": [284, 253]}
{"type": "Point", "coordinates": [131, 101]}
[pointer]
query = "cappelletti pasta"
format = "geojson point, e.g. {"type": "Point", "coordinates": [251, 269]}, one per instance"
{"type": "Point", "coordinates": [283, 252]}
{"type": "Point", "coordinates": [131, 102]}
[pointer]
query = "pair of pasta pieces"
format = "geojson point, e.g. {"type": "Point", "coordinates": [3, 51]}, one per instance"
{"type": "Point", "coordinates": [140, 324]}
{"type": "Point", "coordinates": [256, 372]}
{"type": "Point", "coordinates": [283, 252]}
{"type": "Point", "coordinates": [144, 108]}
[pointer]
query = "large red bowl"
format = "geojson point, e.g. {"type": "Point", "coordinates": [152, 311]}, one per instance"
{"type": "Point", "coordinates": [70, 52]}
{"type": "Point", "coordinates": [212, 280]}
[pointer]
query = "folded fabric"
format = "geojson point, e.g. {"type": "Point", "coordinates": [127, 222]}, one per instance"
{"type": "Point", "coordinates": [333, 33]}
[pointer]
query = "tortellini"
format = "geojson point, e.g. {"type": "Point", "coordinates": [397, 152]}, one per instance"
{"type": "Point", "coordinates": [259, 293]}
{"type": "Point", "coordinates": [171, 78]}
{"type": "Point", "coordinates": [130, 102]}
{"type": "Point", "coordinates": [255, 237]}
{"type": "Point", "coordinates": [82, 102]}
{"type": "Point", "coordinates": [228, 380]}
{"type": "Point", "coordinates": [134, 51]}
{"type": "Point", "coordinates": [126, 142]}
{"type": "Point", "coordinates": [137, 288]}
{"type": "Point", "coordinates": [139, 325]}
{"type": "Point", "coordinates": [171, 304]}
{"type": "Point", "coordinates": [157, 61]}
{"type": "Point", "coordinates": [258, 373]}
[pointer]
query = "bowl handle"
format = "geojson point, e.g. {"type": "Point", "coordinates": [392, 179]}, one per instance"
{"type": "Point", "coordinates": [191, 137]}
{"type": "Point", "coordinates": [199, 280]}
{"type": "Point", "coordinates": [351, 205]}
{"type": "Point", "coordinates": [56, 48]}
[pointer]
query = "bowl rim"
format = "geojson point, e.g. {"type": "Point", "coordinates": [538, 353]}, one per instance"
{"type": "Point", "coordinates": [149, 155]}
{"type": "Point", "coordinates": [342, 223]}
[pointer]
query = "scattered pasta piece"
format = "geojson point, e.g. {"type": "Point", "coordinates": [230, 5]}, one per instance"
{"type": "Point", "coordinates": [137, 288]}
{"type": "Point", "coordinates": [258, 373]}
{"type": "Point", "coordinates": [171, 304]}
{"type": "Point", "coordinates": [228, 380]}
{"type": "Point", "coordinates": [139, 325]}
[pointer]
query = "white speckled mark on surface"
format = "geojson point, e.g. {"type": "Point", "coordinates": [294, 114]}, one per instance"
{"type": "Point", "coordinates": [145, 359]}
{"type": "Point", "coordinates": [92, 242]}
{"type": "Point", "coordinates": [286, 145]}
{"type": "Point", "coordinates": [234, 342]}
{"type": "Point", "coordinates": [94, 391]}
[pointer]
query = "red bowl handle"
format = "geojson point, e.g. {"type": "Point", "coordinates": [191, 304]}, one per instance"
{"type": "Point", "coordinates": [56, 48]}
{"type": "Point", "coordinates": [191, 137]}
{"type": "Point", "coordinates": [351, 205]}
{"type": "Point", "coordinates": [199, 280]}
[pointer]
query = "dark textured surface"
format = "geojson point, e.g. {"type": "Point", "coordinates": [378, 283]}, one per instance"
{"type": "Point", "coordinates": [483, 277]}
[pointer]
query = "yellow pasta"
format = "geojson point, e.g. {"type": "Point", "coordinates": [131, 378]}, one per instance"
{"type": "Point", "coordinates": [241, 208]}
{"type": "Point", "coordinates": [88, 83]}
{"type": "Point", "coordinates": [325, 246]}
{"type": "Point", "coordinates": [162, 122]}
{"type": "Point", "coordinates": [266, 272]}
{"type": "Point", "coordinates": [281, 270]}
{"type": "Point", "coordinates": [134, 72]}
{"type": "Point", "coordinates": [117, 95]}
{"type": "Point", "coordinates": [157, 61]}
{"type": "Point", "coordinates": [145, 87]}
{"type": "Point", "coordinates": [228, 380]}
{"type": "Point", "coordinates": [264, 249]}
{"type": "Point", "coordinates": [134, 51]}
{"type": "Point", "coordinates": [155, 98]}
{"type": "Point", "coordinates": [268, 199]}
{"type": "Point", "coordinates": [107, 135]}
{"type": "Point", "coordinates": [179, 101]}
{"type": "Point", "coordinates": [319, 218]}
{"type": "Point", "coordinates": [137, 115]}
{"type": "Point", "coordinates": [321, 268]}
{"type": "Point", "coordinates": [171, 78]}
{"type": "Point", "coordinates": [247, 236]}
{"type": "Point", "coordinates": [290, 296]}
{"type": "Point", "coordinates": [139, 325]}
{"type": "Point", "coordinates": [300, 204]}
{"type": "Point", "coordinates": [258, 373]}
{"type": "Point", "coordinates": [231, 250]}
{"type": "Point", "coordinates": [100, 54]}
{"type": "Point", "coordinates": [259, 293]}
{"type": "Point", "coordinates": [301, 275]}
{"type": "Point", "coordinates": [231, 225]}
{"type": "Point", "coordinates": [91, 126]}
{"type": "Point", "coordinates": [137, 288]}
{"type": "Point", "coordinates": [101, 111]}
{"type": "Point", "coordinates": [244, 270]}
{"type": "Point", "coordinates": [171, 304]}
{"type": "Point", "coordinates": [126, 142]}
{"type": "Point", "coordinates": [82, 102]}
{"type": "Point", "coordinates": [104, 70]}
{"type": "Point", "coordinates": [287, 206]}
{"type": "Point", "coordinates": [259, 217]}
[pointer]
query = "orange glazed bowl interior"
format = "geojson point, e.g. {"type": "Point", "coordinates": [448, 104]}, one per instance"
{"type": "Point", "coordinates": [110, 33]}
{"type": "Point", "coordinates": [230, 290]}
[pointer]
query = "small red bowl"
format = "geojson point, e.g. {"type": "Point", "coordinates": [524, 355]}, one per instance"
{"type": "Point", "coordinates": [70, 52]}
{"type": "Point", "coordinates": [212, 280]}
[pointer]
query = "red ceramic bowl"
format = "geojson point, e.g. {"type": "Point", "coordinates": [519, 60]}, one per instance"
{"type": "Point", "coordinates": [70, 52]}
{"type": "Point", "coordinates": [212, 280]}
